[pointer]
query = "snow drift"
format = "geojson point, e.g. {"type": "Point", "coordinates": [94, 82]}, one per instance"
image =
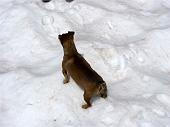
{"type": "Point", "coordinates": [126, 42]}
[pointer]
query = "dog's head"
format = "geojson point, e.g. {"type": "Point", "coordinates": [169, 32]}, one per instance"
{"type": "Point", "coordinates": [102, 90]}
{"type": "Point", "coordinates": [66, 38]}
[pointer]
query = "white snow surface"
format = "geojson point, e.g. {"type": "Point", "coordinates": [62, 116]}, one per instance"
{"type": "Point", "coordinates": [126, 41]}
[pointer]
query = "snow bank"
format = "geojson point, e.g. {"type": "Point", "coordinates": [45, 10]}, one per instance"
{"type": "Point", "coordinates": [127, 42]}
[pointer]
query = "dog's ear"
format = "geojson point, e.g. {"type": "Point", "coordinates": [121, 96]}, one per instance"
{"type": "Point", "coordinates": [59, 36]}
{"type": "Point", "coordinates": [99, 89]}
{"type": "Point", "coordinates": [102, 88]}
{"type": "Point", "coordinates": [71, 32]}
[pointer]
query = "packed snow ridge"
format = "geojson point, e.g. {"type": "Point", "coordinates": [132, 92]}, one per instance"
{"type": "Point", "coordinates": [126, 42]}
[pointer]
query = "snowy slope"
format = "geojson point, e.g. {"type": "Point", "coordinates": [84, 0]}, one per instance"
{"type": "Point", "coordinates": [126, 42]}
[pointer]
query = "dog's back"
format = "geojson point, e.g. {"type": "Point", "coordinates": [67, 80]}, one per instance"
{"type": "Point", "coordinates": [82, 73]}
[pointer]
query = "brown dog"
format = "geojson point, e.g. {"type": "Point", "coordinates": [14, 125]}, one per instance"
{"type": "Point", "coordinates": [77, 67]}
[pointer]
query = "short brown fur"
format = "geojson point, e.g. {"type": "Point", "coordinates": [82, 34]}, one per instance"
{"type": "Point", "coordinates": [78, 68]}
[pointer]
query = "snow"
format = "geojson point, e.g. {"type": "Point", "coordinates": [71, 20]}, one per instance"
{"type": "Point", "coordinates": [126, 42]}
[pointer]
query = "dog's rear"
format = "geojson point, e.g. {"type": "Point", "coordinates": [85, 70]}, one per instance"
{"type": "Point", "coordinates": [77, 67]}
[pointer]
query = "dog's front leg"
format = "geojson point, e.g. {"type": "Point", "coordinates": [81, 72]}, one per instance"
{"type": "Point", "coordinates": [66, 75]}
{"type": "Point", "coordinates": [87, 98]}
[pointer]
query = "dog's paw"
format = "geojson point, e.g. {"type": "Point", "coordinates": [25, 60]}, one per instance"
{"type": "Point", "coordinates": [85, 106]}
{"type": "Point", "coordinates": [65, 81]}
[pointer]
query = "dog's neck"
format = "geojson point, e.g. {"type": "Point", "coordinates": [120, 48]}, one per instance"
{"type": "Point", "coordinates": [70, 50]}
